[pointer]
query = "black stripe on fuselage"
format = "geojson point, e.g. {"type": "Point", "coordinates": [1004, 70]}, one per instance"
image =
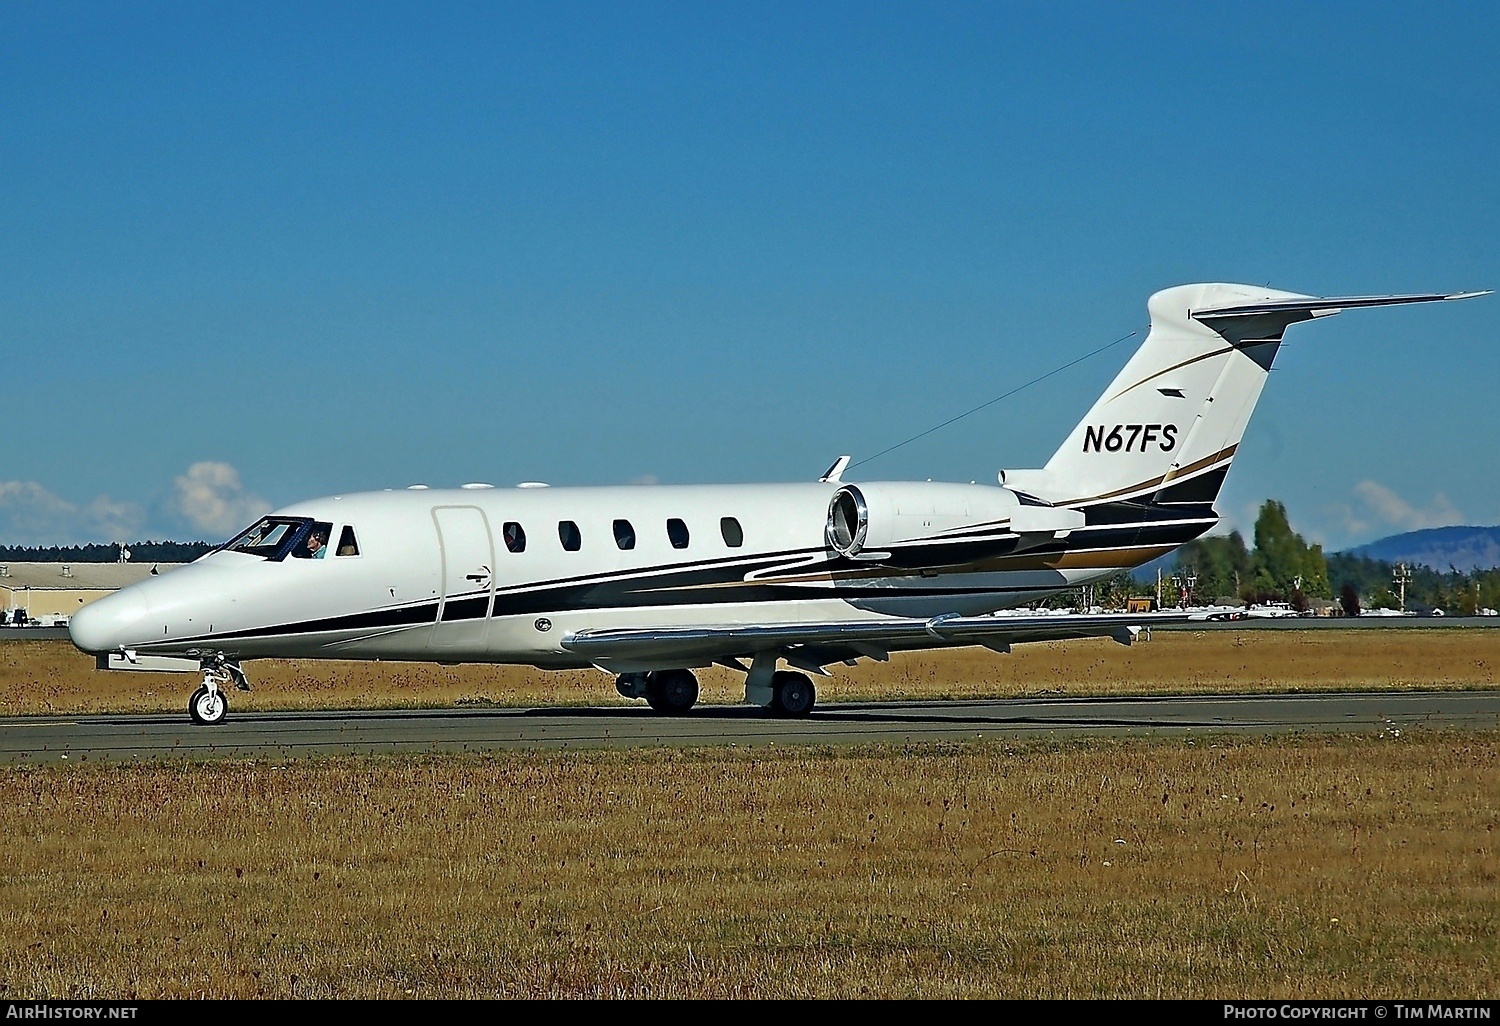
{"type": "Point", "coordinates": [707, 586]}
{"type": "Point", "coordinates": [475, 607]}
{"type": "Point", "coordinates": [402, 616]}
{"type": "Point", "coordinates": [1203, 489]}
{"type": "Point", "coordinates": [1130, 512]}
{"type": "Point", "coordinates": [1114, 526]}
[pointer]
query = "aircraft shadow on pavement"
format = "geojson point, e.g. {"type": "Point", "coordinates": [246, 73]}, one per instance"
{"type": "Point", "coordinates": [866, 714]}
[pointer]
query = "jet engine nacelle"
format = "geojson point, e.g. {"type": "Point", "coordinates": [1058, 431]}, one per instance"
{"type": "Point", "coordinates": [867, 520]}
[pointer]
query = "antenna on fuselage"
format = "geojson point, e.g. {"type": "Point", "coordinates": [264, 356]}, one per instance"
{"type": "Point", "coordinates": [835, 473]}
{"type": "Point", "coordinates": [1005, 395]}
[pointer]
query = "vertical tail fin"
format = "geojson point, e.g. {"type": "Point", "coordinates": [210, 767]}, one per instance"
{"type": "Point", "coordinates": [1168, 426]}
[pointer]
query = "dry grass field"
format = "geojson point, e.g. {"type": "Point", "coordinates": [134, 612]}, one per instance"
{"type": "Point", "coordinates": [52, 676]}
{"type": "Point", "coordinates": [1327, 867]}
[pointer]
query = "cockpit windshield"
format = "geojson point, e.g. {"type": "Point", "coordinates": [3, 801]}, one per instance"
{"type": "Point", "coordinates": [271, 537]}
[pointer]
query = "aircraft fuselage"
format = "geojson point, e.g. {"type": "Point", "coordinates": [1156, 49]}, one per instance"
{"type": "Point", "coordinates": [431, 575]}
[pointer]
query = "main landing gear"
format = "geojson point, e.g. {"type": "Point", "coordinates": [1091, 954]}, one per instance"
{"type": "Point", "coordinates": [209, 705]}
{"type": "Point", "coordinates": [670, 692]}
{"type": "Point", "coordinates": [780, 692]}
{"type": "Point", "coordinates": [792, 694]}
{"type": "Point", "coordinates": [673, 692]}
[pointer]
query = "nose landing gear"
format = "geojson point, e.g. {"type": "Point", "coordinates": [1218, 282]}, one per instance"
{"type": "Point", "coordinates": [209, 705]}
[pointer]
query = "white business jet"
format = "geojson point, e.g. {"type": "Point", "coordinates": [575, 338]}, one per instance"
{"type": "Point", "coordinates": [649, 582]}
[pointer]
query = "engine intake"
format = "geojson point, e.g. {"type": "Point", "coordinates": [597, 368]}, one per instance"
{"type": "Point", "coordinates": [848, 521]}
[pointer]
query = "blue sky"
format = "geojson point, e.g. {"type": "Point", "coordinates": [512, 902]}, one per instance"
{"type": "Point", "coordinates": [252, 254]}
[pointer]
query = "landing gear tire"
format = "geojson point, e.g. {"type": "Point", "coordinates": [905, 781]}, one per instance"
{"type": "Point", "coordinates": [672, 692]}
{"type": "Point", "coordinates": [792, 694]}
{"type": "Point", "coordinates": [208, 706]}
{"type": "Point", "coordinates": [632, 685]}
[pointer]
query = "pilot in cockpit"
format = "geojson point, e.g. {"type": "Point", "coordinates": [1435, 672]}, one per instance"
{"type": "Point", "coordinates": [317, 543]}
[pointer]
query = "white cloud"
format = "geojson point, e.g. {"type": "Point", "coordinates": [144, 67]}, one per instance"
{"type": "Point", "coordinates": [1238, 518]}
{"type": "Point", "coordinates": [1377, 510]}
{"type": "Point", "coordinates": [211, 498]}
{"type": "Point", "coordinates": [1396, 511]}
{"type": "Point", "coordinates": [32, 515]}
{"type": "Point", "coordinates": [645, 479]}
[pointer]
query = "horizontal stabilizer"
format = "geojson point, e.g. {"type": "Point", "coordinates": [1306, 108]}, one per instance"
{"type": "Point", "coordinates": [1315, 306]}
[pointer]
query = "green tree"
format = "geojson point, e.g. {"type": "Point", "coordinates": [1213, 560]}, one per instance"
{"type": "Point", "coordinates": [1349, 599]}
{"type": "Point", "coordinates": [1283, 564]}
{"type": "Point", "coordinates": [1489, 588]}
{"type": "Point", "coordinates": [1281, 567]}
{"type": "Point", "coordinates": [1454, 591]}
{"type": "Point", "coordinates": [1315, 573]}
{"type": "Point", "coordinates": [1220, 564]}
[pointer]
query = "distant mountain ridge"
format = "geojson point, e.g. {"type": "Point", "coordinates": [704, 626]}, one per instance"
{"type": "Point", "coordinates": [1462, 548]}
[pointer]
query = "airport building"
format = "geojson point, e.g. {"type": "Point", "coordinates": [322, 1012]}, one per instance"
{"type": "Point", "coordinates": [52, 592]}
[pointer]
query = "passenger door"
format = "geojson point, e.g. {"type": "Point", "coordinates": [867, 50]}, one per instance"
{"type": "Point", "coordinates": [468, 556]}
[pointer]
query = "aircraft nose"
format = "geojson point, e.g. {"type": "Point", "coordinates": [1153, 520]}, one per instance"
{"type": "Point", "coordinates": [102, 625]}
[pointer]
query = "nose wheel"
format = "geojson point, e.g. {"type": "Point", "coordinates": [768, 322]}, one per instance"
{"type": "Point", "coordinates": [208, 706]}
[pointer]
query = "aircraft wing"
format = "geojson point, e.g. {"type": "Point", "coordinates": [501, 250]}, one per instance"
{"type": "Point", "coordinates": [816, 644]}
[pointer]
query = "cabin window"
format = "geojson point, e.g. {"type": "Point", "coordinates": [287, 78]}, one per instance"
{"type": "Point", "coordinates": [348, 546]}
{"type": "Point", "coordinates": [567, 533]}
{"type": "Point", "coordinates": [314, 542]}
{"type": "Point", "coordinates": [624, 534]}
{"type": "Point", "coordinates": [677, 533]}
{"type": "Point", "coordinates": [734, 535]}
{"type": "Point", "coordinates": [514, 535]}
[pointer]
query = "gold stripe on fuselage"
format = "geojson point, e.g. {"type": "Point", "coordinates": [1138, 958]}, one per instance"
{"type": "Point", "coordinates": [1154, 483]}
{"type": "Point", "coordinates": [1169, 370]}
{"type": "Point", "coordinates": [1090, 559]}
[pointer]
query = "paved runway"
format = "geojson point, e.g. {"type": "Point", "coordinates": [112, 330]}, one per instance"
{"type": "Point", "coordinates": [291, 734]}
